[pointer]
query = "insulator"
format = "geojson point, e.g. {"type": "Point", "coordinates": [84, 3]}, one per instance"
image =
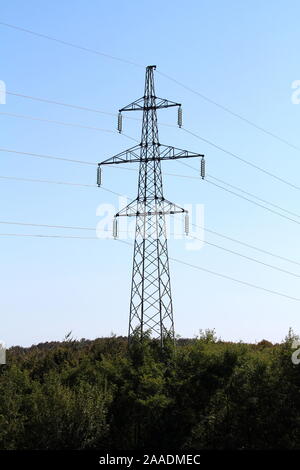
{"type": "Point", "coordinates": [99, 176]}
{"type": "Point", "coordinates": [187, 224]}
{"type": "Point", "coordinates": [115, 228]}
{"type": "Point", "coordinates": [179, 116]}
{"type": "Point", "coordinates": [202, 168]}
{"type": "Point", "coordinates": [120, 122]}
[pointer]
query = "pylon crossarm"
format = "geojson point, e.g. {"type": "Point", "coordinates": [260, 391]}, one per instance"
{"type": "Point", "coordinates": [127, 156]}
{"type": "Point", "coordinates": [163, 103]}
{"type": "Point", "coordinates": [168, 152]}
{"type": "Point", "coordinates": [139, 105]}
{"type": "Point", "coordinates": [172, 208]}
{"type": "Point", "coordinates": [160, 212]}
{"type": "Point", "coordinates": [130, 210]}
{"type": "Point", "coordinates": [159, 207]}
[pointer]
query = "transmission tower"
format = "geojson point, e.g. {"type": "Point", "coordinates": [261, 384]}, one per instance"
{"type": "Point", "coordinates": [151, 300]}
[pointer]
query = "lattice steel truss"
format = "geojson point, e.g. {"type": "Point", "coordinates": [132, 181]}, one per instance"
{"type": "Point", "coordinates": [151, 300]}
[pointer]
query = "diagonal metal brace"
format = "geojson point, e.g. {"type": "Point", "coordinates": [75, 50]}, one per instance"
{"type": "Point", "coordinates": [127, 156]}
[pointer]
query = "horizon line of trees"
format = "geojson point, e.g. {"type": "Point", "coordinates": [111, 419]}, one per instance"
{"type": "Point", "coordinates": [98, 394]}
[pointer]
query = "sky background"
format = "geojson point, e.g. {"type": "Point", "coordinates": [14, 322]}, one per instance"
{"type": "Point", "coordinates": [244, 56]}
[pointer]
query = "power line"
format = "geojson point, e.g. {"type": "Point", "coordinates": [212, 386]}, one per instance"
{"type": "Point", "coordinates": [254, 196]}
{"type": "Point", "coordinates": [38, 235]}
{"type": "Point", "coordinates": [71, 227]}
{"type": "Point", "coordinates": [267, 172]}
{"type": "Point", "coordinates": [95, 110]}
{"type": "Point", "coordinates": [247, 162]}
{"type": "Point", "coordinates": [135, 140]}
{"type": "Point", "coordinates": [67, 183]}
{"type": "Point", "coordinates": [129, 137]}
{"type": "Point", "coordinates": [168, 174]}
{"type": "Point", "coordinates": [77, 184]}
{"type": "Point", "coordinates": [228, 184]}
{"type": "Point", "coordinates": [225, 189]}
{"type": "Point", "coordinates": [61, 103]}
{"type": "Point", "coordinates": [253, 202]}
{"type": "Point", "coordinates": [82, 162]}
{"type": "Point", "coordinates": [51, 157]}
{"type": "Point", "coordinates": [240, 196]}
{"type": "Point", "coordinates": [69, 124]}
{"type": "Point", "coordinates": [70, 44]}
{"type": "Point", "coordinates": [30, 224]}
{"type": "Point", "coordinates": [249, 258]}
{"type": "Point", "coordinates": [248, 245]}
{"type": "Point", "coordinates": [198, 267]}
{"type": "Point", "coordinates": [5, 222]}
{"type": "Point", "coordinates": [106, 130]}
{"type": "Point", "coordinates": [224, 276]}
{"type": "Point", "coordinates": [80, 108]}
{"type": "Point", "coordinates": [119, 59]}
{"type": "Point", "coordinates": [229, 111]}
{"type": "Point", "coordinates": [34, 180]}
{"type": "Point", "coordinates": [282, 180]}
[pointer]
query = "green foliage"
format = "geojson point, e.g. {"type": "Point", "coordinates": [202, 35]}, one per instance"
{"type": "Point", "coordinates": [98, 394]}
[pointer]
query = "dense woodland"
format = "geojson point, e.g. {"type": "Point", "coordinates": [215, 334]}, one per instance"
{"type": "Point", "coordinates": [98, 395]}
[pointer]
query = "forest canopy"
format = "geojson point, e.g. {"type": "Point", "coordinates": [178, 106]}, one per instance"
{"type": "Point", "coordinates": [205, 394]}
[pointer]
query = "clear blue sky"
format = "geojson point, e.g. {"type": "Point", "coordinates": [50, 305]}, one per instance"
{"type": "Point", "coordinates": [244, 55]}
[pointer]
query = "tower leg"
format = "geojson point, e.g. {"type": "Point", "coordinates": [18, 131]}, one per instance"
{"type": "Point", "coordinates": [151, 306]}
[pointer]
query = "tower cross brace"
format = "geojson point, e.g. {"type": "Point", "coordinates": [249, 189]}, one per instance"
{"type": "Point", "coordinates": [151, 307]}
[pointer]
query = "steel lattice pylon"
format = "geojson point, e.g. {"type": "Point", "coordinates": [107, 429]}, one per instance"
{"type": "Point", "coordinates": [151, 300]}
